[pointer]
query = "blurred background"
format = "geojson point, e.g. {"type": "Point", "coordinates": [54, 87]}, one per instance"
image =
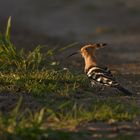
{"type": "Point", "coordinates": [60, 22]}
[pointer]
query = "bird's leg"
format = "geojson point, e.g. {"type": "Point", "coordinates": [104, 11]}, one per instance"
{"type": "Point", "coordinates": [102, 87]}
{"type": "Point", "coordinates": [96, 86]}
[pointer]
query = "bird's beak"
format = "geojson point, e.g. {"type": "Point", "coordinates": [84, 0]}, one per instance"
{"type": "Point", "coordinates": [78, 52]}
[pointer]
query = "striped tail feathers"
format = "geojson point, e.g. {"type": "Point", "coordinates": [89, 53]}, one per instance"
{"type": "Point", "coordinates": [103, 76]}
{"type": "Point", "coordinates": [124, 90]}
{"type": "Point", "coordinates": [105, 70]}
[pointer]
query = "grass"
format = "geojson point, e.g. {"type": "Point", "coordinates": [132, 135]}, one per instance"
{"type": "Point", "coordinates": [11, 59]}
{"type": "Point", "coordinates": [41, 82]}
{"type": "Point", "coordinates": [55, 118]}
{"type": "Point", "coordinates": [64, 97]}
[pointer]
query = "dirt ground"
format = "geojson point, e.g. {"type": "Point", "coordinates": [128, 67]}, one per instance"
{"type": "Point", "coordinates": [62, 22]}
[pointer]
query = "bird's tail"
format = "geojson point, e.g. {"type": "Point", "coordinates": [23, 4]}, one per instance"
{"type": "Point", "coordinates": [122, 89]}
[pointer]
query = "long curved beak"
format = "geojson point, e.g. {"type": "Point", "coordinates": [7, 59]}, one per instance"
{"type": "Point", "coordinates": [73, 54]}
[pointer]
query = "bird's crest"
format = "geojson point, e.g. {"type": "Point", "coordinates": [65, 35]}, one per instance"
{"type": "Point", "coordinates": [90, 49]}
{"type": "Point", "coordinates": [93, 46]}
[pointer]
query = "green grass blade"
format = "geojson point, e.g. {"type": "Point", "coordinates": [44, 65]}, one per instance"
{"type": "Point", "coordinates": [68, 46]}
{"type": "Point", "coordinates": [7, 33]}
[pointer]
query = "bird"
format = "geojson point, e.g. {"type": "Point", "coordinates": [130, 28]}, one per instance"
{"type": "Point", "coordinates": [96, 74]}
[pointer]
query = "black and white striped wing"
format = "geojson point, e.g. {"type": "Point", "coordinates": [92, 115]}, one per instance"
{"type": "Point", "coordinates": [98, 75]}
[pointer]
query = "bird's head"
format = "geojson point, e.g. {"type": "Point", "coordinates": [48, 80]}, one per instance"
{"type": "Point", "coordinates": [89, 50]}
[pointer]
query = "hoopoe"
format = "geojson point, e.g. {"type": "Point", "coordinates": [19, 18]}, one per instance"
{"type": "Point", "coordinates": [97, 74]}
